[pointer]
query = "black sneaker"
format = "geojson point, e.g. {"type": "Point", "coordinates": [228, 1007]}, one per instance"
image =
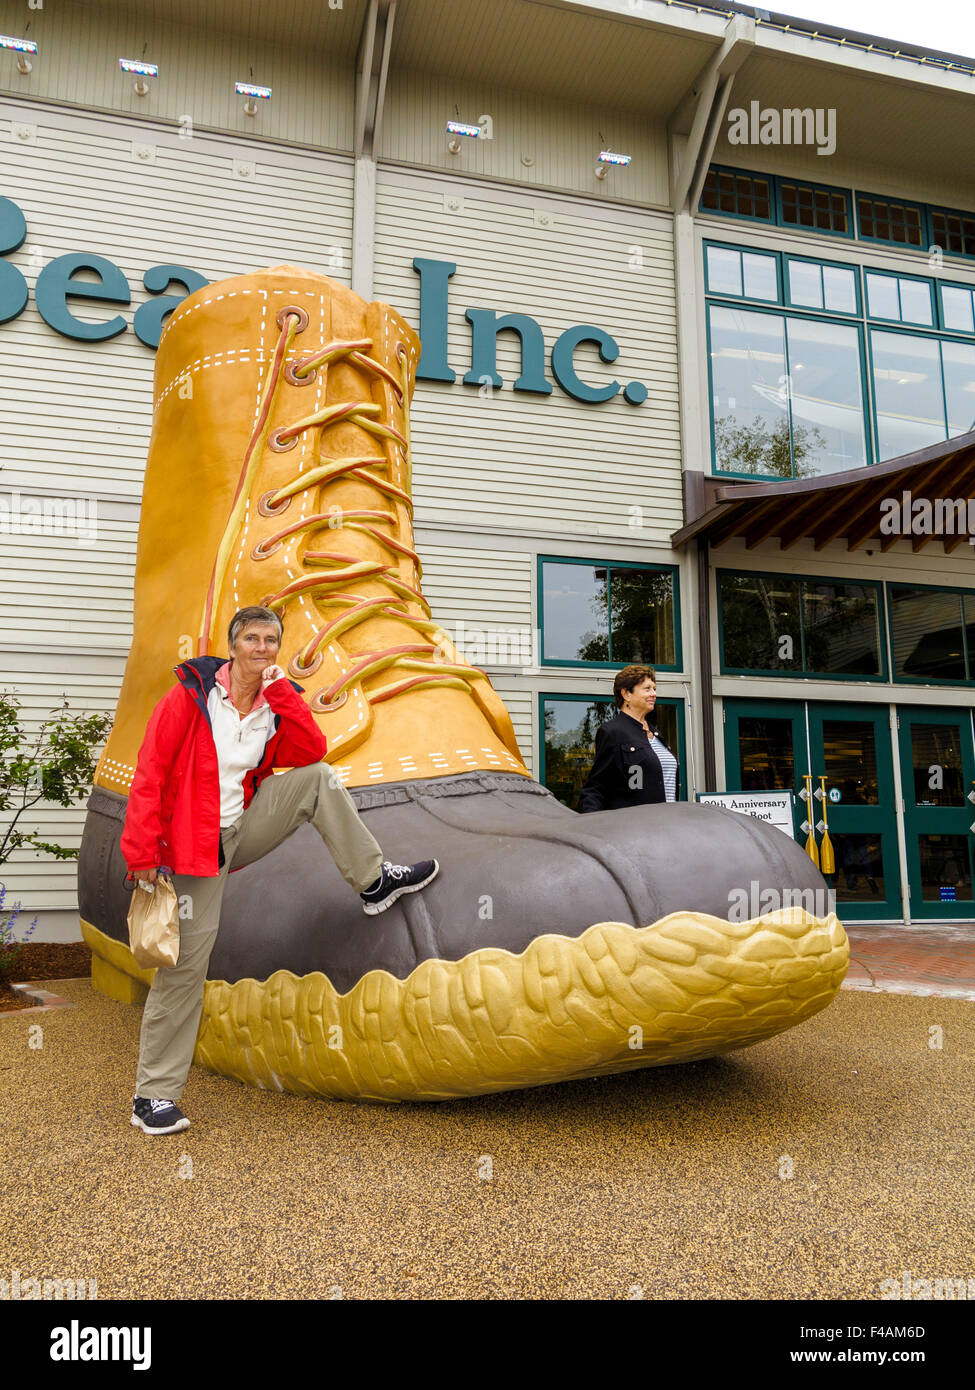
{"type": "Point", "coordinates": [394, 881]}
{"type": "Point", "coordinates": [157, 1116]}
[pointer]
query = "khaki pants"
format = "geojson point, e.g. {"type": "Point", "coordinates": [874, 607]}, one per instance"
{"type": "Point", "coordinates": [171, 1017]}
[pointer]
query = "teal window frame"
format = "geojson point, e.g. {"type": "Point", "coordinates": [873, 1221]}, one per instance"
{"type": "Point", "coordinates": [788, 257]}
{"type": "Point", "coordinates": [563, 662]}
{"type": "Point", "coordinates": [919, 208]}
{"type": "Point", "coordinates": [902, 322]}
{"type": "Point", "coordinates": [748, 174]}
{"type": "Point", "coordinates": [928, 212]}
{"type": "Point", "coordinates": [785, 312]}
{"type": "Point", "coordinates": [845, 193]}
{"type": "Point", "coordinates": [676, 702]}
{"type": "Point", "coordinates": [909, 330]}
{"type": "Point", "coordinates": [895, 679]}
{"type": "Point", "coordinates": [747, 251]}
{"type": "Point", "coordinates": [804, 673]}
{"type": "Point", "coordinates": [933, 209]}
{"type": "Point", "coordinates": [957, 333]}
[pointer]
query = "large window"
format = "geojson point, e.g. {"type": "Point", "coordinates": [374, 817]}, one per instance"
{"type": "Point", "coordinates": [569, 724]}
{"type": "Point", "coordinates": [786, 394]}
{"type": "Point", "coordinates": [596, 614]}
{"type": "Point", "coordinates": [932, 634]}
{"type": "Point", "coordinates": [792, 343]}
{"type": "Point", "coordinates": [924, 390]}
{"type": "Point", "coordinates": [786, 624]}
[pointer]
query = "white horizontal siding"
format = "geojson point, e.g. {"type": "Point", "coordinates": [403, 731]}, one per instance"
{"type": "Point", "coordinates": [560, 138]}
{"type": "Point", "coordinates": [480, 588]}
{"type": "Point", "coordinates": [312, 80]}
{"type": "Point", "coordinates": [500, 458]}
{"type": "Point", "coordinates": [58, 590]}
{"type": "Point", "coordinates": [77, 416]}
{"type": "Point", "coordinates": [520, 704]}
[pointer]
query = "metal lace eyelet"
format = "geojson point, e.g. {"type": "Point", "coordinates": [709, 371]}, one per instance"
{"type": "Point", "coordinates": [320, 707]}
{"type": "Point", "coordinates": [299, 671]}
{"type": "Point", "coordinates": [265, 507]}
{"type": "Point", "coordinates": [293, 309]}
{"type": "Point", "coordinates": [262, 551]}
{"type": "Point", "coordinates": [305, 379]}
{"type": "Point", "coordinates": [279, 445]}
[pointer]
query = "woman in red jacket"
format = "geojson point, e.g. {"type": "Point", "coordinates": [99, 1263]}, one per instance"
{"type": "Point", "coordinates": [197, 808]}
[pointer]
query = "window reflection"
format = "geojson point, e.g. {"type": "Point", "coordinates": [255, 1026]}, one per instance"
{"type": "Point", "coordinates": [841, 627]}
{"type": "Point", "coordinates": [907, 391]}
{"type": "Point", "coordinates": [570, 741]}
{"type": "Point", "coordinates": [760, 623]}
{"type": "Point", "coordinates": [766, 754]}
{"type": "Point", "coordinates": [582, 603]}
{"type": "Point", "coordinates": [926, 625]}
{"type": "Point", "coordinates": [959, 369]}
{"type": "Point", "coordinates": [936, 760]}
{"type": "Point", "coordinates": [946, 873]}
{"type": "Point", "coordinates": [827, 397]}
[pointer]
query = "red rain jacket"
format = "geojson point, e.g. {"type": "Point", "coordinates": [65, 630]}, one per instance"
{"type": "Point", "coordinates": [173, 812]}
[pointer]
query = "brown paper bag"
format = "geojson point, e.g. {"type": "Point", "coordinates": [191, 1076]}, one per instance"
{"type": "Point", "coordinates": [154, 924]}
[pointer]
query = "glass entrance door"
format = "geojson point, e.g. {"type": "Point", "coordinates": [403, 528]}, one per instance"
{"type": "Point", "coordinates": [851, 751]}
{"type": "Point", "coordinates": [773, 744]}
{"type": "Point", "coordinates": [937, 772]}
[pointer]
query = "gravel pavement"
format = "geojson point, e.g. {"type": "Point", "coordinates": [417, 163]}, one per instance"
{"type": "Point", "coordinates": [813, 1165]}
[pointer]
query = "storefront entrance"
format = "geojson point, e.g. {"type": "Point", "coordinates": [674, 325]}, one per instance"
{"type": "Point", "coordinates": [773, 745]}
{"type": "Point", "coordinates": [937, 771]}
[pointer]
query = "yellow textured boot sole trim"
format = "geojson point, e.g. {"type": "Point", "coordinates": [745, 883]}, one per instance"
{"type": "Point", "coordinates": [613, 999]}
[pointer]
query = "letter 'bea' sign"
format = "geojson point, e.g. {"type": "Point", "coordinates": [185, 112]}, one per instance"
{"type": "Point", "coordinates": [57, 284]}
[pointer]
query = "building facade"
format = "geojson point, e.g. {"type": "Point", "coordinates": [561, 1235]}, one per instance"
{"type": "Point", "coordinates": [662, 406]}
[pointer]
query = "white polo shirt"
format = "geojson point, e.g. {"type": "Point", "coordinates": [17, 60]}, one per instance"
{"type": "Point", "coordinates": [240, 741]}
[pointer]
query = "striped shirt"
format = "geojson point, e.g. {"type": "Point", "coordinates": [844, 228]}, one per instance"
{"type": "Point", "coordinates": [668, 766]}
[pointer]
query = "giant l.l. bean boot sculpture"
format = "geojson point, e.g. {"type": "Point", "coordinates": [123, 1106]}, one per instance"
{"type": "Point", "coordinates": [552, 945]}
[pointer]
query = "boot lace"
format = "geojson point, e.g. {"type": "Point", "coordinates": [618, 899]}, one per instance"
{"type": "Point", "coordinates": [332, 572]}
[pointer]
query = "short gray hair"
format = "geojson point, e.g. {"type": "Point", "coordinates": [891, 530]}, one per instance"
{"type": "Point", "coordinates": [256, 614]}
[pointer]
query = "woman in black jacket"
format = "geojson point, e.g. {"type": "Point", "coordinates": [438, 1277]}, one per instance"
{"type": "Point", "coordinates": [633, 766]}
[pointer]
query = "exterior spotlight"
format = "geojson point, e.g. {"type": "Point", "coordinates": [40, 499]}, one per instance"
{"type": "Point", "coordinates": [607, 157]}
{"type": "Point", "coordinates": [250, 91]}
{"type": "Point", "coordinates": [142, 70]}
{"type": "Point", "coordinates": [21, 47]}
{"type": "Point", "coordinates": [456, 128]}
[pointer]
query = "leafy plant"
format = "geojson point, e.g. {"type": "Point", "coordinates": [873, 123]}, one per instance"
{"type": "Point", "coordinates": [57, 765]}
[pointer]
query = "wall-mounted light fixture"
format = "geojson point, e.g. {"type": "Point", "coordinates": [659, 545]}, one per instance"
{"type": "Point", "coordinates": [22, 47]}
{"type": "Point", "coordinates": [607, 157]}
{"type": "Point", "coordinates": [142, 71]}
{"type": "Point", "coordinates": [456, 128]}
{"type": "Point", "coordinates": [253, 93]}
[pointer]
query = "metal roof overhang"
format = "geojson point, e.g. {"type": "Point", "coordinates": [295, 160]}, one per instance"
{"type": "Point", "coordinates": [839, 506]}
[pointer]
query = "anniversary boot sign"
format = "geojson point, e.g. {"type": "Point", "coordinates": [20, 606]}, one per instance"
{"type": "Point", "coordinates": [552, 945]}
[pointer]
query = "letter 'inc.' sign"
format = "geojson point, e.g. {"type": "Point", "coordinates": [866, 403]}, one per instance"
{"type": "Point", "coordinates": [58, 283]}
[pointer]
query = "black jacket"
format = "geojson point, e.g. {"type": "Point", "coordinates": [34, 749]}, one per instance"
{"type": "Point", "coordinates": [625, 771]}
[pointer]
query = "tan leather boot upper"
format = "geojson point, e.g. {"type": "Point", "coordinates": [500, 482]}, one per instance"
{"type": "Point", "coordinates": [279, 473]}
